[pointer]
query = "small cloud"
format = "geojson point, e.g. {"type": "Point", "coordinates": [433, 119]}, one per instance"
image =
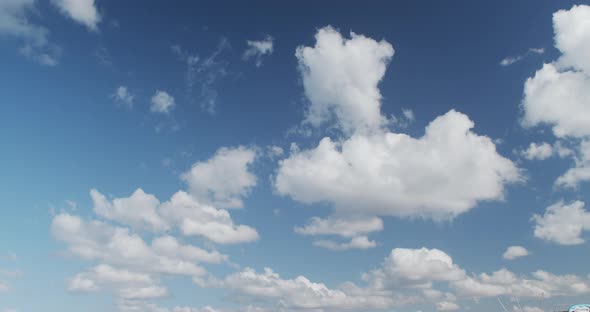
{"type": "Point", "coordinates": [407, 117]}
{"type": "Point", "coordinates": [409, 114]}
{"type": "Point", "coordinates": [359, 242]}
{"type": "Point", "coordinates": [162, 102]}
{"type": "Point", "coordinates": [538, 151]}
{"type": "Point", "coordinates": [81, 11]}
{"type": "Point", "coordinates": [514, 59]}
{"type": "Point", "coordinates": [257, 49]}
{"type": "Point", "coordinates": [123, 96]}
{"type": "Point", "coordinates": [514, 252]}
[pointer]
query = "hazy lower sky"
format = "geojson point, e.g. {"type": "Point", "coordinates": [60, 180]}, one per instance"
{"type": "Point", "coordinates": [263, 156]}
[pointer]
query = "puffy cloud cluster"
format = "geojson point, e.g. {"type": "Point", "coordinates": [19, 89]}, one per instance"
{"type": "Point", "coordinates": [563, 223]}
{"type": "Point", "coordinates": [96, 240]}
{"type": "Point", "coordinates": [298, 293]}
{"type": "Point", "coordinates": [193, 218]}
{"type": "Point", "coordinates": [406, 276]}
{"type": "Point", "coordinates": [558, 95]}
{"type": "Point", "coordinates": [374, 172]}
{"type": "Point", "coordinates": [131, 267]}
{"type": "Point", "coordinates": [505, 283]}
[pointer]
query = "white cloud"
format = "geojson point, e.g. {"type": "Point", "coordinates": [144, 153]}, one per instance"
{"type": "Point", "coordinates": [162, 102]}
{"type": "Point", "coordinates": [514, 59]}
{"type": "Point", "coordinates": [572, 36]}
{"type": "Point", "coordinates": [514, 252]}
{"type": "Point", "coordinates": [558, 98]}
{"type": "Point", "coordinates": [527, 309]}
{"type": "Point", "coordinates": [406, 276]}
{"type": "Point", "coordinates": [15, 23]}
{"type": "Point", "coordinates": [3, 287]}
{"type": "Point", "coordinates": [144, 211]}
{"type": "Point", "coordinates": [224, 179]}
{"type": "Point", "coordinates": [341, 77]}
{"type": "Point", "coordinates": [95, 240]}
{"type": "Point", "coordinates": [373, 172]}
{"type": "Point", "coordinates": [194, 218]}
{"type": "Point", "coordinates": [581, 171]}
{"type": "Point", "coordinates": [258, 48]}
{"type": "Point", "coordinates": [439, 176]}
{"type": "Point", "coordinates": [558, 94]}
{"type": "Point", "coordinates": [408, 114]}
{"type": "Point", "coordinates": [129, 268]}
{"type": "Point", "coordinates": [415, 268]}
{"type": "Point", "coordinates": [447, 306]}
{"type": "Point", "coordinates": [503, 282]}
{"type": "Point", "coordinates": [105, 275]}
{"type": "Point", "coordinates": [349, 227]}
{"type": "Point", "coordinates": [139, 210]}
{"type": "Point", "coordinates": [274, 151]}
{"type": "Point", "coordinates": [538, 151]}
{"type": "Point", "coordinates": [169, 246]}
{"type": "Point", "coordinates": [81, 11]}
{"type": "Point", "coordinates": [353, 228]}
{"type": "Point", "coordinates": [298, 293]}
{"type": "Point", "coordinates": [563, 223]}
{"type": "Point", "coordinates": [124, 96]}
{"type": "Point", "coordinates": [357, 242]}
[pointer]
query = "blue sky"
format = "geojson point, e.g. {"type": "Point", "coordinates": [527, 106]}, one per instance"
{"type": "Point", "coordinates": [385, 156]}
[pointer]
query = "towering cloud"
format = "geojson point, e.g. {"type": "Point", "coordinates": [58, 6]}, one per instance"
{"type": "Point", "coordinates": [373, 172]}
{"type": "Point", "coordinates": [558, 95]}
{"type": "Point", "coordinates": [341, 78]}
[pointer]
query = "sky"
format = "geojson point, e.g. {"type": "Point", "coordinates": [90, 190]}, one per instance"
{"type": "Point", "coordinates": [194, 156]}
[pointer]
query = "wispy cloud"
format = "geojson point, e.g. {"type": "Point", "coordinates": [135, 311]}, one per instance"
{"type": "Point", "coordinates": [203, 75]}
{"type": "Point", "coordinates": [35, 44]}
{"type": "Point", "coordinates": [507, 61]}
{"type": "Point", "coordinates": [257, 49]}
